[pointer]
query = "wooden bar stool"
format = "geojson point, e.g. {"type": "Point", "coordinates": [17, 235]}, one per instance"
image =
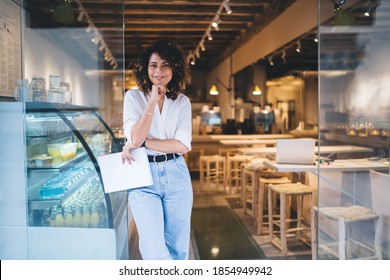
{"type": "Point", "coordinates": [249, 189]}
{"type": "Point", "coordinates": [192, 158]}
{"type": "Point", "coordinates": [233, 171]}
{"type": "Point", "coordinates": [263, 182]}
{"type": "Point", "coordinates": [346, 246]}
{"type": "Point", "coordinates": [212, 170]}
{"type": "Point", "coordinates": [286, 192]}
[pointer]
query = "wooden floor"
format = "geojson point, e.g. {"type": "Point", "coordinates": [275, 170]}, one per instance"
{"type": "Point", "coordinates": [297, 249]}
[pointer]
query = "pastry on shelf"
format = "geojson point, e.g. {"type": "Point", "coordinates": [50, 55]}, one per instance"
{"type": "Point", "coordinates": [352, 132]}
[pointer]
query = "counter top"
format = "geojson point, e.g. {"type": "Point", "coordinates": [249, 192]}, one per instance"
{"type": "Point", "coordinates": [322, 150]}
{"type": "Point", "coordinates": [374, 141]}
{"type": "Point", "coordinates": [304, 133]}
{"type": "Point", "coordinates": [251, 136]}
{"type": "Point", "coordinates": [337, 165]}
{"type": "Point", "coordinates": [217, 138]}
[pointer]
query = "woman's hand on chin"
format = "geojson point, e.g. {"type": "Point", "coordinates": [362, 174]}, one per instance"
{"type": "Point", "coordinates": [158, 91]}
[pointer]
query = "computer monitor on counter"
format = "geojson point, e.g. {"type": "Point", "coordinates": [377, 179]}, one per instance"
{"type": "Point", "coordinates": [211, 118]}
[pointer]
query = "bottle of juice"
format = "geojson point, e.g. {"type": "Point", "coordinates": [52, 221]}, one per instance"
{"type": "Point", "coordinates": [52, 218]}
{"type": "Point", "coordinates": [94, 217]}
{"type": "Point", "coordinates": [45, 220]}
{"type": "Point", "coordinates": [59, 220]}
{"type": "Point", "coordinates": [69, 221]}
{"type": "Point", "coordinates": [86, 216]}
{"type": "Point", "coordinates": [77, 218]}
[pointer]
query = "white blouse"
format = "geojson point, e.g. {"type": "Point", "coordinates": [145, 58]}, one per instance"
{"type": "Point", "coordinates": [174, 121]}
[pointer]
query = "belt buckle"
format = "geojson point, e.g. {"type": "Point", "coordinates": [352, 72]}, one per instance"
{"type": "Point", "coordinates": [154, 158]}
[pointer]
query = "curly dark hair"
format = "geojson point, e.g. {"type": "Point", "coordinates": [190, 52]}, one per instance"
{"type": "Point", "coordinates": [168, 51]}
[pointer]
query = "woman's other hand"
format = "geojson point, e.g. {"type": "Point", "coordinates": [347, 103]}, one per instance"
{"type": "Point", "coordinates": [126, 153]}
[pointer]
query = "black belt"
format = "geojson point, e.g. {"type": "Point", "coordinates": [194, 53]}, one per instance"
{"type": "Point", "coordinates": [162, 157]}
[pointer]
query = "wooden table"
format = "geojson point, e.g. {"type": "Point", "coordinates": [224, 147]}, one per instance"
{"type": "Point", "coordinates": [354, 165]}
{"type": "Point", "coordinates": [328, 150]}
{"type": "Point", "coordinates": [251, 136]}
{"type": "Point", "coordinates": [251, 142]}
{"type": "Point", "coordinates": [351, 186]}
{"type": "Point", "coordinates": [247, 142]}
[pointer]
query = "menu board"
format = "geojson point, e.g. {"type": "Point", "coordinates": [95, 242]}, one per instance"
{"type": "Point", "coordinates": [10, 50]}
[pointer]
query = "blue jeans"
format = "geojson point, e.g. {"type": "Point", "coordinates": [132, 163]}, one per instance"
{"type": "Point", "coordinates": [162, 212]}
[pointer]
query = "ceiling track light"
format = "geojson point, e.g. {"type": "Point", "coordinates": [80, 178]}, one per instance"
{"type": "Point", "coordinates": [216, 23]}
{"type": "Point", "coordinates": [81, 16]}
{"type": "Point", "coordinates": [270, 61]}
{"type": "Point", "coordinates": [209, 37]}
{"type": "Point", "coordinates": [197, 54]}
{"type": "Point", "coordinates": [97, 37]}
{"type": "Point", "coordinates": [213, 24]}
{"type": "Point", "coordinates": [191, 58]}
{"type": "Point", "coordinates": [284, 56]}
{"type": "Point", "coordinates": [227, 7]}
{"type": "Point", "coordinates": [95, 40]}
{"type": "Point", "coordinates": [201, 44]}
{"type": "Point", "coordinates": [298, 49]}
{"type": "Point", "coordinates": [368, 12]}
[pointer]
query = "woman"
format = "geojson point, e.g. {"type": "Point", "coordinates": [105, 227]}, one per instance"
{"type": "Point", "coordinates": [158, 117]}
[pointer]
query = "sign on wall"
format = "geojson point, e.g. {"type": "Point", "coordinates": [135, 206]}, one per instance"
{"type": "Point", "coordinates": [10, 50]}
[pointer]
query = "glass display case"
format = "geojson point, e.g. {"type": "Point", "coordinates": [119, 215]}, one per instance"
{"type": "Point", "coordinates": [68, 214]}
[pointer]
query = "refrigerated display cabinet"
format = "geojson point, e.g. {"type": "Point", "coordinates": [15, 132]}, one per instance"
{"type": "Point", "coordinates": [53, 203]}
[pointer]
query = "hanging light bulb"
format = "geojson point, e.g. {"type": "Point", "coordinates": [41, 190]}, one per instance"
{"type": "Point", "coordinates": [256, 90]}
{"type": "Point", "coordinates": [63, 13]}
{"type": "Point", "coordinates": [214, 90]}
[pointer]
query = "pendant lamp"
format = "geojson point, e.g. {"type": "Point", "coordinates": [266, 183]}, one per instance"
{"type": "Point", "coordinates": [256, 90]}
{"type": "Point", "coordinates": [342, 18]}
{"type": "Point", "coordinates": [63, 13]}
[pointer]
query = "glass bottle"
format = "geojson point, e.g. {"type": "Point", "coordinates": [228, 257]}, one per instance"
{"type": "Point", "coordinates": [59, 220]}
{"type": "Point", "coordinates": [86, 216]}
{"type": "Point", "coordinates": [94, 217]}
{"type": "Point", "coordinates": [69, 221]}
{"type": "Point", "coordinates": [77, 219]}
{"type": "Point", "coordinates": [45, 220]}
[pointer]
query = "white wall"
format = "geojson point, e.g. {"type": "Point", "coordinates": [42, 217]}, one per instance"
{"type": "Point", "coordinates": [43, 55]}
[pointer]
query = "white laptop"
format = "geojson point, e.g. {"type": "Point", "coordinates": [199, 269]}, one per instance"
{"type": "Point", "coordinates": [295, 151]}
